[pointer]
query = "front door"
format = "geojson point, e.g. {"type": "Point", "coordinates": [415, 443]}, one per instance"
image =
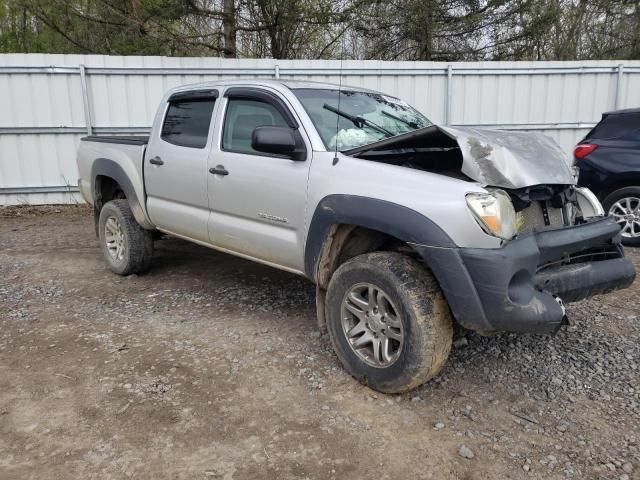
{"type": "Point", "coordinates": [175, 168]}
{"type": "Point", "coordinates": [257, 201]}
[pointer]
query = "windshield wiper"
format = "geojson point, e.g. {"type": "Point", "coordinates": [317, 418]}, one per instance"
{"type": "Point", "coordinates": [359, 122]}
{"type": "Point", "coordinates": [413, 125]}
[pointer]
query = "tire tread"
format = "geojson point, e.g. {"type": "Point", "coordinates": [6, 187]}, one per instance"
{"type": "Point", "coordinates": [422, 295]}
{"type": "Point", "coordinates": [139, 240]}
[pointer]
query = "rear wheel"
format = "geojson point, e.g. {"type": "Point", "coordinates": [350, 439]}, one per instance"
{"type": "Point", "coordinates": [388, 321]}
{"type": "Point", "coordinates": [624, 206]}
{"type": "Point", "coordinates": [125, 245]}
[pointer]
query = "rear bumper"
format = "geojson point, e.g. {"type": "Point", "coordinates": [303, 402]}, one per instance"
{"type": "Point", "coordinates": [513, 288]}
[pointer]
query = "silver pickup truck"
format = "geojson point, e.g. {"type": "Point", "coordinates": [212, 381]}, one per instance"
{"type": "Point", "coordinates": [403, 226]}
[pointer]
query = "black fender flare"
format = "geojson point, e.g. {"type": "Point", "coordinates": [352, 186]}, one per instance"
{"type": "Point", "coordinates": [396, 220]}
{"type": "Point", "coordinates": [108, 168]}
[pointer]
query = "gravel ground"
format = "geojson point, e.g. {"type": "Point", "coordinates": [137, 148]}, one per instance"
{"type": "Point", "coordinates": [210, 366]}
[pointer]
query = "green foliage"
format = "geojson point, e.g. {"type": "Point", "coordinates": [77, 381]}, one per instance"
{"type": "Point", "coordinates": [376, 29]}
{"type": "Point", "coordinates": [124, 27]}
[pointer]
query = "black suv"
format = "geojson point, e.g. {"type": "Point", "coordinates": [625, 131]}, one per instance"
{"type": "Point", "coordinates": [609, 162]}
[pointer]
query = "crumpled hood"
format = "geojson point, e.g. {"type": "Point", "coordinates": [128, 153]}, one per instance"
{"type": "Point", "coordinates": [509, 159]}
{"type": "Point", "coordinates": [497, 158]}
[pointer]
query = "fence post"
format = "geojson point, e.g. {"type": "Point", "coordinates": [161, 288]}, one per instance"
{"type": "Point", "coordinates": [449, 94]}
{"type": "Point", "coordinates": [620, 71]}
{"type": "Point", "coordinates": [85, 100]}
{"type": "Point", "coordinates": [276, 72]}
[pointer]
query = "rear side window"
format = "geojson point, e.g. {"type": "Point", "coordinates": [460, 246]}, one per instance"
{"type": "Point", "coordinates": [625, 126]}
{"type": "Point", "coordinates": [186, 123]}
{"type": "Point", "coordinates": [242, 117]}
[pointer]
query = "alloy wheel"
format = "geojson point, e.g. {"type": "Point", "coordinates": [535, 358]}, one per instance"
{"type": "Point", "coordinates": [626, 212]}
{"type": "Point", "coordinates": [114, 238]}
{"type": "Point", "coordinates": [371, 325]}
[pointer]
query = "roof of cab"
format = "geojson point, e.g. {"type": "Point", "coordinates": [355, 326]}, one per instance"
{"type": "Point", "coordinates": [261, 82]}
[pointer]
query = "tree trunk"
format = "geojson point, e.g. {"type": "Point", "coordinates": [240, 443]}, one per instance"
{"type": "Point", "coordinates": [634, 54]}
{"type": "Point", "coordinates": [229, 29]}
{"type": "Point", "coordinates": [426, 49]}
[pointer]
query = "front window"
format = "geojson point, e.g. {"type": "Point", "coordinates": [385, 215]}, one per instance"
{"type": "Point", "coordinates": [242, 117]}
{"type": "Point", "coordinates": [358, 118]}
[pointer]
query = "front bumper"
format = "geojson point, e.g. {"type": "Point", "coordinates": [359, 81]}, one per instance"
{"type": "Point", "coordinates": [514, 288]}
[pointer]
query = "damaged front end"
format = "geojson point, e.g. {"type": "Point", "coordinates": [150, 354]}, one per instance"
{"type": "Point", "coordinates": [521, 287]}
{"type": "Point", "coordinates": [562, 248]}
{"type": "Point", "coordinates": [531, 168]}
{"type": "Point", "coordinates": [497, 158]}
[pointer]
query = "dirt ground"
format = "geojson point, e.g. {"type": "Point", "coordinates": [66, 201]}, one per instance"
{"type": "Point", "coordinates": [210, 366]}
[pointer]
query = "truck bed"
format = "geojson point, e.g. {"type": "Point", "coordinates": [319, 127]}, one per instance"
{"type": "Point", "coordinates": [122, 139]}
{"type": "Point", "coordinates": [118, 157]}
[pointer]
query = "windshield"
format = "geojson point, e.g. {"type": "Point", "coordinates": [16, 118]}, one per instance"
{"type": "Point", "coordinates": [360, 117]}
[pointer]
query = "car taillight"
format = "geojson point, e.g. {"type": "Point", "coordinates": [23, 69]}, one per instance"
{"type": "Point", "coordinates": [583, 150]}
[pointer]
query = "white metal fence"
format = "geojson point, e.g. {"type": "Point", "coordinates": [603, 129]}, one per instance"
{"type": "Point", "coordinates": [47, 102]}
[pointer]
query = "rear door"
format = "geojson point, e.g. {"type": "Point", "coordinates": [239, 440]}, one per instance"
{"type": "Point", "coordinates": [258, 202]}
{"type": "Point", "coordinates": [175, 166]}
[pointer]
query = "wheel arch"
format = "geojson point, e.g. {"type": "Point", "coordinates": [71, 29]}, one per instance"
{"type": "Point", "coordinates": [338, 218]}
{"type": "Point", "coordinates": [344, 226]}
{"type": "Point", "coordinates": [104, 174]}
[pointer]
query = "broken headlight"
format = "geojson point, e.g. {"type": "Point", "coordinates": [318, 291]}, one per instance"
{"type": "Point", "coordinates": [494, 212]}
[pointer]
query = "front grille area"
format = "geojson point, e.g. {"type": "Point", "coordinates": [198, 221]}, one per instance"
{"type": "Point", "coordinates": [595, 254]}
{"type": "Point", "coordinates": [533, 219]}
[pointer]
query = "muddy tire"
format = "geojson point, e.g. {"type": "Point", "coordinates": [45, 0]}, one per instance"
{"type": "Point", "coordinates": [388, 321]}
{"type": "Point", "coordinates": [624, 205]}
{"type": "Point", "coordinates": [125, 245]}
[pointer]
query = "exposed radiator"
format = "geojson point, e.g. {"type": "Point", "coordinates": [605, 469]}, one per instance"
{"type": "Point", "coordinates": [532, 218]}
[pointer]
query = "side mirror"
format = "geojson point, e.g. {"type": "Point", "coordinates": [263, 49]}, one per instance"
{"type": "Point", "coordinates": [276, 140]}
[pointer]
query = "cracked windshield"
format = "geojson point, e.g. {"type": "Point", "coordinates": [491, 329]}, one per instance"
{"type": "Point", "coordinates": [359, 118]}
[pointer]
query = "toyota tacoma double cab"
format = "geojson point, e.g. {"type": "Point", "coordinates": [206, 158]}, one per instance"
{"type": "Point", "coordinates": [404, 226]}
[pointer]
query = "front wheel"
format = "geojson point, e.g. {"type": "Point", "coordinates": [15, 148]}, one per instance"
{"type": "Point", "coordinates": [125, 245]}
{"type": "Point", "coordinates": [388, 321]}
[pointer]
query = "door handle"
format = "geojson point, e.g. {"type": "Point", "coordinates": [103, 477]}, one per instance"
{"type": "Point", "coordinates": [156, 161]}
{"type": "Point", "coordinates": [219, 170]}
